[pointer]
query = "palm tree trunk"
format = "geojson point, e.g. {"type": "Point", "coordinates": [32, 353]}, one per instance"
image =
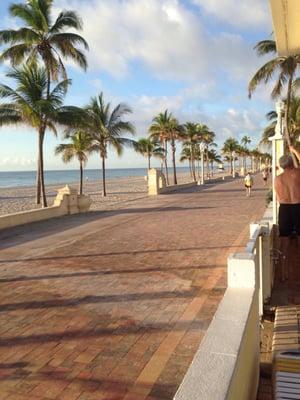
{"type": "Point", "coordinates": [198, 167]}
{"type": "Point", "coordinates": [286, 117]}
{"type": "Point", "coordinates": [149, 162]}
{"type": "Point", "coordinates": [41, 158]}
{"type": "Point", "coordinates": [231, 166]}
{"type": "Point", "coordinates": [174, 161]}
{"type": "Point", "coordinates": [38, 177]}
{"type": "Point", "coordinates": [103, 177]}
{"type": "Point", "coordinates": [207, 166]}
{"type": "Point", "coordinates": [166, 161]}
{"type": "Point", "coordinates": [81, 178]}
{"type": "Point", "coordinates": [193, 166]}
{"type": "Point", "coordinates": [190, 167]}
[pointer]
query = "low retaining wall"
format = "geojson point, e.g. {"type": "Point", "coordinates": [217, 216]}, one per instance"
{"type": "Point", "coordinates": [226, 365]}
{"type": "Point", "coordinates": [157, 183]}
{"type": "Point", "coordinates": [67, 202]}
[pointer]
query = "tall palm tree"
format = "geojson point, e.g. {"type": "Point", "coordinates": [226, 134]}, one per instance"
{"type": "Point", "coordinates": [294, 119]}
{"type": "Point", "coordinates": [149, 148]}
{"type": "Point", "coordinates": [186, 155]}
{"type": "Point", "coordinates": [213, 157]}
{"type": "Point", "coordinates": [230, 146]}
{"type": "Point", "coordinates": [269, 130]}
{"type": "Point", "coordinates": [31, 105]}
{"type": "Point", "coordinates": [105, 125]}
{"type": "Point", "coordinates": [245, 150]}
{"type": "Point", "coordinates": [79, 148]}
{"type": "Point", "coordinates": [191, 137]}
{"type": "Point", "coordinates": [175, 133]}
{"type": "Point", "coordinates": [160, 129]}
{"type": "Point", "coordinates": [286, 66]}
{"type": "Point", "coordinates": [207, 137]}
{"type": "Point", "coordinates": [42, 39]}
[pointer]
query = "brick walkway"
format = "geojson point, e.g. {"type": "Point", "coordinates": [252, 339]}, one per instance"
{"type": "Point", "coordinates": [113, 305]}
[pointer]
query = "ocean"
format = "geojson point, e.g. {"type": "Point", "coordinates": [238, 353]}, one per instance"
{"type": "Point", "coordinates": [27, 178]}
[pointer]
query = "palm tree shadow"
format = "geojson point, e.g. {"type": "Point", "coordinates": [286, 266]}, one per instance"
{"type": "Point", "coordinates": [14, 236]}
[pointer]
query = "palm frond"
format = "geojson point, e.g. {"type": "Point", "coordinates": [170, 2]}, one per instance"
{"type": "Point", "coordinates": [264, 74]}
{"type": "Point", "coordinates": [265, 47]}
{"type": "Point", "coordinates": [66, 19]}
{"type": "Point", "coordinates": [67, 38]}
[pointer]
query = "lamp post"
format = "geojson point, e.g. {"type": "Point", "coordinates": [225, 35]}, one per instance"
{"type": "Point", "coordinates": [202, 150]}
{"type": "Point", "coordinates": [233, 154]}
{"type": "Point", "coordinates": [277, 152]}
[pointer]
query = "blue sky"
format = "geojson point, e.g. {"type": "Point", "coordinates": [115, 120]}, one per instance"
{"type": "Point", "coordinates": [194, 57]}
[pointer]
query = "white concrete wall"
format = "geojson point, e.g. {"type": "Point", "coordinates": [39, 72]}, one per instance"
{"type": "Point", "coordinates": [67, 202]}
{"type": "Point", "coordinates": [225, 366]}
{"type": "Point", "coordinates": [25, 217]}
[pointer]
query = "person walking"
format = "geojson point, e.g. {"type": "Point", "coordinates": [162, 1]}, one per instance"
{"type": "Point", "coordinates": [265, 174]}
{"type": "Point", "coordinates": [248, 181]}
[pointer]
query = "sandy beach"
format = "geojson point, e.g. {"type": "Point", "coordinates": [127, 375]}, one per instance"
{"type": "Point", "coordinates": [119, 191]}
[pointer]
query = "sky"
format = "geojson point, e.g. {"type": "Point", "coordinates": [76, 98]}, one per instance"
{"type": "Point", "coordinates": [192, 57]}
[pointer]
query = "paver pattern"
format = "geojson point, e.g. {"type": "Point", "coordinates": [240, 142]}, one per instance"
{"type": "Point", "coordinates": [113, 305]}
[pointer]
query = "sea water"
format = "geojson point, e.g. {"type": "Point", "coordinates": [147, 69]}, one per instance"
{"type": "Point", "coordinates": [28, 178]}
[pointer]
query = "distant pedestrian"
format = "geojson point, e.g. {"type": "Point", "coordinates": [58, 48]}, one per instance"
{"type": "Point", "coordinates": [265, 175]}
{"type": "Point", "coordinates": [248, 181]}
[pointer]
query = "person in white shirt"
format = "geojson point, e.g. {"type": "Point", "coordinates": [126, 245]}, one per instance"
{"type": "Point", "coordinates": [248, 181]}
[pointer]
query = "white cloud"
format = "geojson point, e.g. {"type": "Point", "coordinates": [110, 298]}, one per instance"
{"type": "Point", "coordinates": [239, 13]}
{"type": "Point", "coordinates": [164, 36]}
{"type": "Point", "coordinates": [17, 162]}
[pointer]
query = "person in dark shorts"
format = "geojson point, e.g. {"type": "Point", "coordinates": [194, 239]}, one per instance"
{"type": "Point", "coordinates": [287, 186]}
{"type": "Point", "coordinates": [248, 182]}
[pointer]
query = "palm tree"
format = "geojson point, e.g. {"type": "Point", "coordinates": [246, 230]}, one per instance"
{"type": "Point", "coordinates": [40, 39]}
{"type": "Point", "coordinates": [79, 147]}
{"type": "Point", "coordinates": [245, 150]}
{"type": "Point", "coordinates": [105, 126]}
{"type": "Point", "coordinates": [230, 146]}
{"type": "Point", "coordinates": [174, 134]}
{"type": "Point", "coordinates": [213, 157]}
{"type": "Point", "coordinates": [294, 120]}
{"type": "Point", "coordinates": [286, 66]}
{"type": "Point", "coordinates": [190, 139]}
{"type": "Point", "coordinates": [186, 155]}
{"type": "Point", "coordinates": [207, 137]}
{"type": "Point", "coordinates": [269, 130]}
{"type": "Point", "coordinates": [31, 105]}
{"type": "Point", "coordinates": [160, 130]}
{"type": "Point", "coordinates": [149, 148]}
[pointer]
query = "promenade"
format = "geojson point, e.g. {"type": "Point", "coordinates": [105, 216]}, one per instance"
{"type": "Point", "coordinates": [113, 305]}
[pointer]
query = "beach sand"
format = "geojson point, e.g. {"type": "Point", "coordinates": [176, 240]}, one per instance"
{"type": "Point", "coordinates": [119, 191]}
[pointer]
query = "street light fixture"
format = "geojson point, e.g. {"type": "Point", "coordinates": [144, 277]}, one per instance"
{"type": "Point", "coordinates": [233, 154]}
{"type": "Point", "coordinates": [202, 148]}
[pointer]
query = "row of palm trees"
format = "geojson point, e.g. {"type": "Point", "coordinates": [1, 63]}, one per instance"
{"type": "Point", "coordinates": [165, 131]}
{"type": "Point", "coordinates": [100, 128]}
{"type": "Point", "coordinates": [233, 150]}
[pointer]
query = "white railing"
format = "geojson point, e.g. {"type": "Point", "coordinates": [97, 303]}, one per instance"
{"type": "Point", "coordinates": [226, 365]}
